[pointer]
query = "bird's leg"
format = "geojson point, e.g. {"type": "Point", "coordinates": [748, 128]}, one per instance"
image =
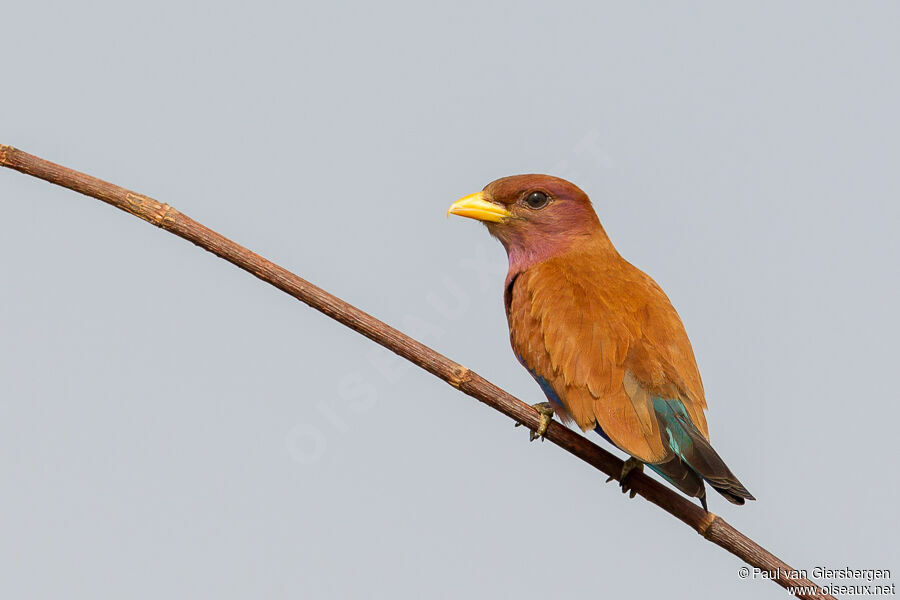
{"type": "Point", "coordinates": [632, 464]}
{"type": "Point", "coordinates": [546, 410]}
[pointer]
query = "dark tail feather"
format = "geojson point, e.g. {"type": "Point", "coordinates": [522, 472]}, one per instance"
{"type": "Point", "coordinates": [697, 454]}
{"type": "Point", "coordinates": [681, 476]}
{"type": "Point", "coordinates": [702, 458]}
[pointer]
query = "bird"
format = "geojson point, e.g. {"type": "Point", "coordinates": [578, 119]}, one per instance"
{"type": "Point", "coordinates": [598, 335]}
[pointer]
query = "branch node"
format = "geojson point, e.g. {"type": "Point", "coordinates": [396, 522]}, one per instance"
{"type": "Point", "coordinates": [460, 376]}
{"type": "Point", "coordinates": [150, 210]}
{"type": "Point", "coordinates": [167, 219]}
{"type": "Point", "coordinates": [705, 523]}
{"type": "Point", "coordinates": [4, 154]}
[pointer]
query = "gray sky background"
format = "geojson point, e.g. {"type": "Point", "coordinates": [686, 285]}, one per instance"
{"type": "Point", "coordinates": [170, 427]}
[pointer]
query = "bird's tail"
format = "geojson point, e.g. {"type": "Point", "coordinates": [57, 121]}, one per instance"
{"type": "Point", "coordinates": [695, 459]}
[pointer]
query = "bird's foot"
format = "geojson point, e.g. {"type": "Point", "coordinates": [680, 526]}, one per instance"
{"type": "Point", "coordinates": [632, 464]}
{"type": "Point", "coordinates": [546, 411]}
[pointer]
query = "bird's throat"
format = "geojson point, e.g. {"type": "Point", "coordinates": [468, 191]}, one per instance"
{"type": "Point", "coordinates": [523, 256]}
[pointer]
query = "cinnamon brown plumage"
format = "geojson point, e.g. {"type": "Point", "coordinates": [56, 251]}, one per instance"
{"type": "Point", "coordinates": [599, 335]}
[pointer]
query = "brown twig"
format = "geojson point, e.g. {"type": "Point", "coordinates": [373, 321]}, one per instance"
{"type": "Point", "coordinates": [710, 526]}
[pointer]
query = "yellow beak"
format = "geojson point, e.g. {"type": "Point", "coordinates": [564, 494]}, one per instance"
{"type": "Point", "coordinates": [475, 206]}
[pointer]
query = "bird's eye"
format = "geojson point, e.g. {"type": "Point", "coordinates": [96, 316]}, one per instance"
{"type": "Point", "coordinates": [537, 200]}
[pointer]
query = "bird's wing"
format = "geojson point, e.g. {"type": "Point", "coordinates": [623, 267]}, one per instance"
{"type": "Point", "coordinates": [591, 331]}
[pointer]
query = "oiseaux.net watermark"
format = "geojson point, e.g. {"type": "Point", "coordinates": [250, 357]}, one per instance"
{"type": "Point", "coordinates": [844, 581]}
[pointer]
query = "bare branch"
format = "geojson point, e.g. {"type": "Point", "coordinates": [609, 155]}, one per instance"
{"type": "Point", "coordinates": [710, 526]}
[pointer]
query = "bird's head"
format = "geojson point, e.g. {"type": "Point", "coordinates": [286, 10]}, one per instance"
{"type": "Point", "coordinates": [534, 216]}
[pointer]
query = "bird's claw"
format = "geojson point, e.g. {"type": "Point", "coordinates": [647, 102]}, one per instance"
{"type": "Point", "coordinates": [546, 411]}
{"type": "Point", "coordinates": [632, 464]}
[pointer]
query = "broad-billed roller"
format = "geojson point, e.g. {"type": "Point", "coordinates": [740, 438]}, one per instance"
{"type": "Point", "coordinates": [599, 336]}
